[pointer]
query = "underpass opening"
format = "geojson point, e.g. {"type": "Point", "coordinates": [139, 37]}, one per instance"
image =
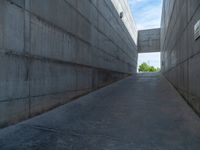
{"type": "Point", "coordinates": [149, 62]}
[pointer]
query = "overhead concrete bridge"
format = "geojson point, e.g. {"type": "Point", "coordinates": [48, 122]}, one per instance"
{"type": "Point", "coordinates": [68, 77]}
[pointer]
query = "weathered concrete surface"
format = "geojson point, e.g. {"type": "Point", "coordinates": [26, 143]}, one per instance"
{"type": "Point", "coordinates": [180, 51]}
{"type": "Point", "coordinates": [54, 50]}
{"type": "Point", "coordinates": [122, 6]}
{"type": "Point", "coordinates": [143, 113]}
{"type": "Point", "coordinates": [149, 41]}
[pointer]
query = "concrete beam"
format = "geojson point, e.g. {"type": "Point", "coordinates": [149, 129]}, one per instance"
{"type": "Point", "coordinates": [149, 41]}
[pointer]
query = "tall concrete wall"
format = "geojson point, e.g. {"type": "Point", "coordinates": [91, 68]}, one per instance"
{"type": "Point", "coordinates": [122, 6]}
{"type": "Point", "coordinates": [54, 50]}
{"type": "Point", "coordinates": [180, 51]}
{"type": "Point", "coordinates": [149, 41]}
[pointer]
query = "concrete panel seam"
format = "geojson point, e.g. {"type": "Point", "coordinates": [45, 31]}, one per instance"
{"type": "Point", "coordinates": [118, 22]}
{"type": "Point", "coordinates": [97, 28]}
{"type": "Point", "coordinates": [46, 59]}
{"type": "Point", "coordinates": [85, 41]}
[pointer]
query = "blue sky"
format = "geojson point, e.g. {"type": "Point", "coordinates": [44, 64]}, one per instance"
{"type": "Point", "coordinates": [147, 13]}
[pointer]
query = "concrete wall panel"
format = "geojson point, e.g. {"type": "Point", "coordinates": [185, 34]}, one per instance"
{"type": "Point", "coordinates": [14, 82]}
{"type": "Point", "coordinates": [194, 82]}
{"type": "Point", "coordinates": [179, 49]}
{"type": "Point", "coordinates": [13, 28]}
{"type": "Point", "coordinates": [9, 109]}
{"type": "Point", "coordinates": [52, 51]}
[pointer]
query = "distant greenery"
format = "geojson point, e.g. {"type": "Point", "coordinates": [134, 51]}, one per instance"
{"type": "Point", "coordinates": [144, 67]}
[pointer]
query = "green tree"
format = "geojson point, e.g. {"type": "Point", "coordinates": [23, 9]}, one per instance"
{"type": "Point", "coordinates": [144, 67]}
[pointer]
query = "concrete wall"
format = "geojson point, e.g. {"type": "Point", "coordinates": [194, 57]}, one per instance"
{"type": "Point", "coordinates": [128, 20]}
{"type": "Point", "coordinates": [54, 50]}
{"type": "Point", "coordinates": [149, 41]}
{"type": "Point", "coordinates": [180, 51]}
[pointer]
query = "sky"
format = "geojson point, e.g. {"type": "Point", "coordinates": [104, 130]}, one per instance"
{"type": "Point", "coordinates": [147, 14]}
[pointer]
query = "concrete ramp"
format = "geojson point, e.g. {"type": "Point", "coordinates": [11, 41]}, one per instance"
{"type": "Point", "coordinates": [142, 113]}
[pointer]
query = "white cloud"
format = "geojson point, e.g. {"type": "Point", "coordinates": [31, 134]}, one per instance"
{"type": "Point", "coordinates": [147, 13]}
